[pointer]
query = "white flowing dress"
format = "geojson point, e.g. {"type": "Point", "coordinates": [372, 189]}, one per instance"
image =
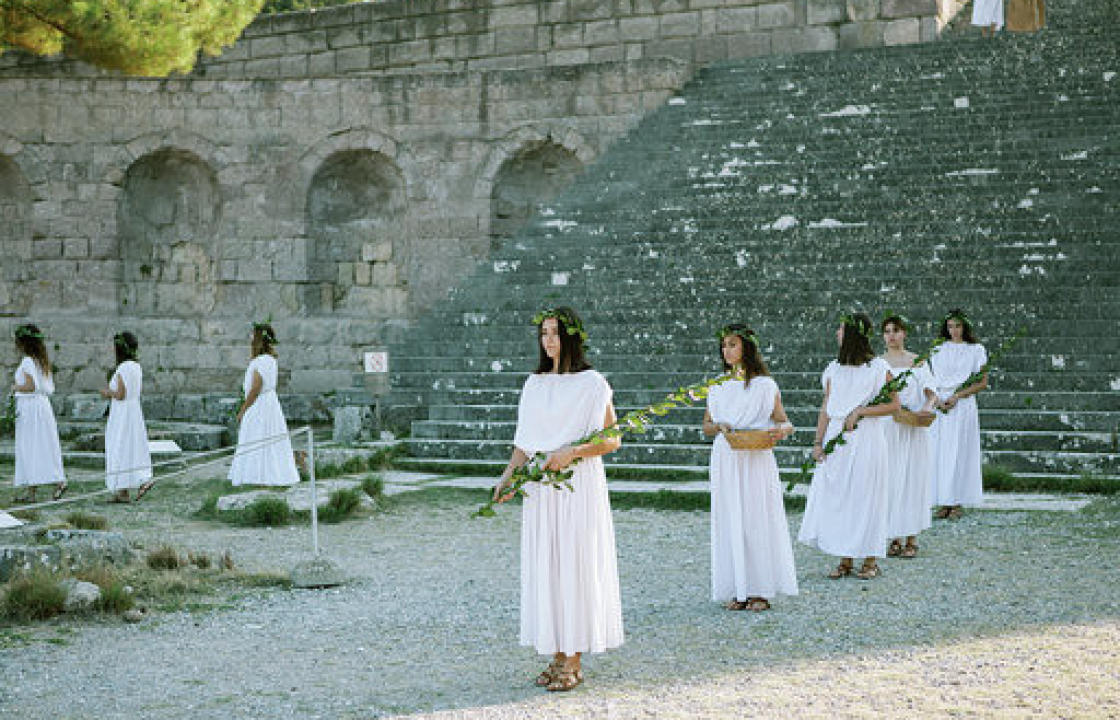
{"type": "Point", "coordinates": [752, 555]}
{"type": "Point", "coordinates": [846, 510]}
{"type": "Point", "coordinates": [38, 451]}
{"type": "Point", "coordinates": [908, 448]}
{"type": "Point", "coordinates": [986, 13]}
{"type": "Point", "coordinates": [128, 463]}
{"type": "Point", "coordinates": [264, 450]}
{"type": "Point", "coordinates": [570, 599]}
{"type": "Point", "coordinates": [955, 436]}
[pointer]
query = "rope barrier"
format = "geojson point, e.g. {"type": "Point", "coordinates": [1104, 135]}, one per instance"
{"type": "Point", "coordinates": [238, 451]}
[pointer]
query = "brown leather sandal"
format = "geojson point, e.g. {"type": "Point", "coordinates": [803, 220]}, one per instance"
{"type": "Point", "coordinates": [955, 513]}
{"type": "Point", "coordinates": [895, 549]}
{"type": "Point", "coordinates": [910, 551]}
{"type": "Point", "coordinates": [868, 571]}
{"type": "Point", "coordinates": [759, 604]}
{"type": "Point", "coordinates": [549, 673]}
{"type": "Point", "coordinates": [942, 512]}
{"type": "Point", "coordinates": [842, 570]}
{"type": "Point", "coordinates": [565, 680]}
{"type": "Point", "coordinates": [736, 605]}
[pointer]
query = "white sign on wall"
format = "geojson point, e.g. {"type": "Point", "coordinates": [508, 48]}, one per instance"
{"type": "Point", "coordinates": [376, 362]}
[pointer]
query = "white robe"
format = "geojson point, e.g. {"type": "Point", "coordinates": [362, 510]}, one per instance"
{"type": "Point", "coordinates": [908, 448]}
{"type": "Point", "coordinates": [38, 451]}
{"type": "Point", "coordinates": [264, 450]}
{"type": "Point", "coordinates": [846, 511]}
{"type": "Point", "coordinates": [752, 555]}
{"type": "Point", "coordinates": [128, 463]}
{"type": "Point", "coordinates": [986, 13]}
{"type": "Point", "coordinates": [957, 477]}
{"type": "Point", "coordinates": [570, 599]}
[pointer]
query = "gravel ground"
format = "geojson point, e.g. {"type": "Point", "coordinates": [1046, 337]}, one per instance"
{"type": "Point", "coordinates": [1005, 614]}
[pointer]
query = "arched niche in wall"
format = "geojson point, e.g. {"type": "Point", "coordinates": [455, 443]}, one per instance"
{"type": "Point", "coordinates": [355, 209]}
{"type": "Point", "coordinates": [15, 240]}
{"type": "Point", "coordinates": [167, 220]}
{"type": "Point", "coordinates": [527, 180]}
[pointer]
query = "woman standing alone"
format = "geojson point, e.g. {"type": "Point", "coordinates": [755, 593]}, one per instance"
{"type": "Point", "coordinates": [570, 600]}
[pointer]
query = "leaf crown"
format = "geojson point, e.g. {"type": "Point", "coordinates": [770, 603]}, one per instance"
{"type": "Point", "coordinates": [862, 327]}
{"type": "Point", "coordinates": [120, 342]}
{"type": "Point", "coordinates": [23, 332]}
{"type": "Point", "coordinates": [266, 331]}
{"type": "Point", "coordinates": [959, 315]}
{"type": "Point", "coordinates": [907, 326]}
{"type": "Point", "coordinates": [728, 330]}
{"type": "Point", "coordinates": [571, 323]}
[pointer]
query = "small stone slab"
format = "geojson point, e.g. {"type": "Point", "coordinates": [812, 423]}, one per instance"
{"type": "Point", "coordinates": [9, 521]}
{"type": "Point", "coordinates": [80, 595]}
{"type": "Point", "coordinates": [317, 573]}
{"type": "Point", "coordinates": [298, 497]}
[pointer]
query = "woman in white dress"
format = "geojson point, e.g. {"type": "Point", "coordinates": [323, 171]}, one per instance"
{"type": "Point", "coordinates": [38, 451]}
{"type": "Point", "coordinates": [264, 450]}
{"type": "Point", "coordinates": [907, 445]}
{"type": "Point", "coordinates": [128, 462]}
{"type": "Point", "coordinates": [988, 16]}
{"type": "Point", "coordinates": [752, 556]}
{"type": "Point", "coordinates": [570, 600]}
{"type": "Point", "coordinates": [955, 435]}
{"type": "Point", "coordinates": [846, 511]}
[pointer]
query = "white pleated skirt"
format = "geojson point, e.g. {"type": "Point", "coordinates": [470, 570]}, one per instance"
{"type": "Point", "coordinates": [957, 477]}
{"type": "Point", "coordinates": [570, 599]}
{"type": "Point", "coordinates": [908, 489]}
{"type": "Point", "coordinates": [752, 555]}
{"type": "Point", "coordinates": [38, 451]}
{"type": "Point", "coordinates": [846, 510]}
{"type": "Point", "coordinates": [264, 450]}
{"type": "Point", "coordinates": [128, 463]}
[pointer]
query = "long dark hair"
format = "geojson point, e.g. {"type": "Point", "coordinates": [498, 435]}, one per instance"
{"type": "Point", "coordinates": [753, 364]}
{"type": "Point", "coordinates": [29, 340]}
{"type": "Point", "coordinates": [570, 329]}
{"type": "Point", "coordinates": [855, 348]}
{"type": "Point", "coordinates": [126, 347]}
{"type": "Point", "coordinates": [956, 313]}
{"type": "Point", "coordinates": [264, 340]}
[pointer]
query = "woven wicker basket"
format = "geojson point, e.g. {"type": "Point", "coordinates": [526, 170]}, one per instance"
{"type": "Point", "coordinates": [913, 419]}
{"type": "Point", "coordinates": [749, 440]}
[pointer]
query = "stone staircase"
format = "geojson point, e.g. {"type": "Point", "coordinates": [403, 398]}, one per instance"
{"type": "Point", "coordinates": [781, 191]}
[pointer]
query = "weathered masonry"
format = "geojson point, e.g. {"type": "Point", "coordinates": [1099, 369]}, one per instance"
{"type": "Point", "coordinates": [338, 170]}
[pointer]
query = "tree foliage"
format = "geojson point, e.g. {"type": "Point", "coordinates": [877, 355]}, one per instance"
{"type": "Point", "coordinates": [135, 37]}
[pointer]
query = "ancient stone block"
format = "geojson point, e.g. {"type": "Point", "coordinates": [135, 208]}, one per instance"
{"type": "Point", "coordinates": [821, 12]}
{"type": "Point", "coordinates": [812, 39]}
{"type": "Point", "coordinates": [861, 34]}
{"type": "Point", "coordinates": [738, 19]}
{"type": "Point", "coordinates": [516, 15]}
{"type": "Point", "coordinates": [908, 8]}
{"type": "Point", "coordinates": [859, 10]}
{"type": "Point", "coordinates": [776, 15]}
{"type": "Point", "coordinates": [902, 32]}
{"type": "Point", "coordinates": [601, 32]}
{"type": "Point", "coordinates": [748, 45]}
{"type": "Point", "coordinates": [679, 25]}
{"type": "Point", "coordinates": [509, 41]}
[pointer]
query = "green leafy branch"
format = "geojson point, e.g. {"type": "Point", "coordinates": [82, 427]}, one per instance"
{"type": "Point", "coordinates": [886, 392]}
{"type": "Point", "coordinates": [992, 360]}
{"type": "Point", "coordinates": [8, 419]}
{"type": "Point", "coordinates": [633, 423]}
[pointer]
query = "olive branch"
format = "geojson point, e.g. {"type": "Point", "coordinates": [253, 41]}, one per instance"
{"type": "Point", "coordinates": [882, 397]}
{"type": "Point", "coordinates": [635, 422]}
{"type": "Point", "coordinates": [992, 359]}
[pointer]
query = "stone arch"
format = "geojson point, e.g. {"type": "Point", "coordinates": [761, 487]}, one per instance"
{"type": "Point", "coordinates": [168, 216]}
{"type": "Point", "coordinates": [528, 168]}
{"type": "Point", "coordinates": [355, 211]}
{"type": "Point", "coordinates": [16, 246]}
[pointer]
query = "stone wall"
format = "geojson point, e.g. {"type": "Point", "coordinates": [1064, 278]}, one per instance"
{"type": "Point", "coordinates": [467, 35]}
{"type": "Point", "coordinates": [337, 170]}
{"type": "Point", "coordinates": [184, 209]}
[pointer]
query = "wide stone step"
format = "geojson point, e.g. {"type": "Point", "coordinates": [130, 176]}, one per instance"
{"type": "Point", "coordinates": [637, 453]}
{"type": "Point", "coordinates": [806, 415]}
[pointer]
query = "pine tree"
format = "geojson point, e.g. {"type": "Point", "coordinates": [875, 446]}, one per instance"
{"type": "Point", "coordinates": [135, 37]}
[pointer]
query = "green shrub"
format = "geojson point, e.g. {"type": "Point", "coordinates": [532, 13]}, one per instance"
{"type": "Point", "coordinates": [267, 511]}
{"type": "Point", "coordinates": [87, 521]}
{"type": "Point", "coordinates": [164, 557]}
{"type": "Point", "coordinates": [999, 478]}
{"type": "Point", "coordinates": [340, 505]}
{"type": "Point", "coordinates": [374, 487]}
{"type": "Point", "coordinates": [353, 465]}
{"type": "Point", "coordinates": [35, 596]}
